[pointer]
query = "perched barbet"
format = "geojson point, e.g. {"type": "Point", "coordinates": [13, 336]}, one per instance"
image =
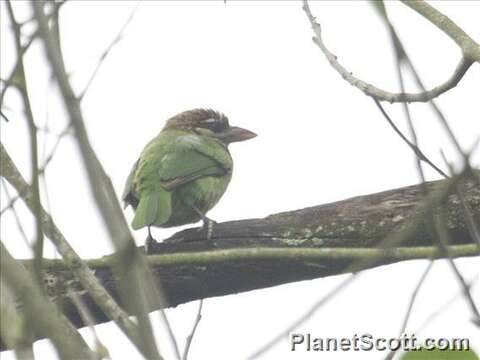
{"type": "Point", "coordinates": [184, 171]}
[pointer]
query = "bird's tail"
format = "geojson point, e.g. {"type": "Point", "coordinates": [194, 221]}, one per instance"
{"type": "Point", "coordinates": [154, 208]}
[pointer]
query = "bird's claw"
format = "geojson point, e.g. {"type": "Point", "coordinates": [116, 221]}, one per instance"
{"type": "Point", "coordinates": [149, 242]}
{"type": "Point", "coordinates": [208, 225]}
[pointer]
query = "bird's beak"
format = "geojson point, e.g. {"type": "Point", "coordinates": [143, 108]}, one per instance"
{"type": "Point", "coordinates": [234, 134]}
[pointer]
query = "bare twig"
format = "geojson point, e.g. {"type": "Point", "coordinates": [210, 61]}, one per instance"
{"type": "Point", "coordinates": [402, 56]}
{"type": "Point", "coordinates": [105, 53]}
{"type": "Point", "coordinates": [470, 48]}
{"type": "Point", "coordinates": [413, 297]}
{"type": "Point", "coordinates": [54, 149]}
{"type": "Point", "coordinates": [374, 91]}
{"type": "Point", "coordinates": [419, 156]}
{"type": "Point", "coordinates": [435, 108]}
{"type": "Point", "coordinates": [419, 153]}
{"type": "Point", "coordinates": [171, 335]}
{"type": "Point", "coordinates": [22, 87]}
{"type": "Point", "coordinates": [10, 205]}
{"type": "Point", "coordinates": [192, 334]}
{"type": "Point", "coordinates": [469, 220]}
{"type": "Point", "coordinates": [15, 214]}
{"type": "Point", "coordinates": [399, 59]}
{"type": "Point", "coordinates": [442, 232]}
{"type": "Point", "coordinates": [2, 114]}
{"type": "Point", "coordinates": [443, 307]}
{"type": "Point", "coordinates": [87, 318]}
{"type": "Point", "coordinates": [11, 79]}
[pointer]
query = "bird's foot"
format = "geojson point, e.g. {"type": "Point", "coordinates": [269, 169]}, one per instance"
{"type": "Point", "coordinates": [149, 241]}
{"type": "Point", "coordinates": [208, 225]}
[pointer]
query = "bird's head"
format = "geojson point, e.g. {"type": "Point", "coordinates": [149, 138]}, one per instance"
{"type": "Point", "coordinates": [209, 123]}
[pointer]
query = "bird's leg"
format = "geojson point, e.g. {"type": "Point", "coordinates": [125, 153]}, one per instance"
{"type": "Point", "coordinates": [208, 226]}
{"type": "Point", "coordinates": [207, 223]}
{"type": "Point", "coordinates": [149, 241]}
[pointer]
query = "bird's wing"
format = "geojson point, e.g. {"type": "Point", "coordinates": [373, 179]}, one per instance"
{"type": "Point", "coordinates": [182, 168]}
{"type": "Point", "coordinates": [128, 196]}
{"type": "Point", "coordinates": [192, 160]}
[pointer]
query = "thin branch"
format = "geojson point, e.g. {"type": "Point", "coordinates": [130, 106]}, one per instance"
{"type": "Point", "coordinates": [434, 106]}
{"type": "Point", "coordinates": [2, 114]}
{"type": "Point", "coordinates": [105, 53]}
{"type": "Point", "coordinates": [22, 86]}
{"type": "Point", "coordinates": [192, 334]}
{"type": "Point", "coordinates": [470, 48]}
{"type": "Point", "coordinates": [399, 59]}
{"type": "Point", "coordinates": [442, 232]}
{"type": "Point", "coordinates": [88, 319]}
{"type": "Point", "coordinates": [373, 91]}
{"type": "Point", "coordinates": [11, 81]}
{"type": "Point", "coordinates": [54, 149]}
{"type": "Point", "coordinates": [43, 175]}
{"type": "Point", "coordinates": [10, 205]}
{"type": "Point", "coordinates": [306, 254]}
{"type": "Point", "coordinates": [445, 306]}
{"type": "Point", "coordinates": [469, 220]}
{"type": "Point", "coordinates": [419, 156]}
{"type": "Point", "coordinates": [413, 297]}
{"type": "Point", "coordinates": [171, 335]}
{"type": "Point", "coordinates": [307, 315]}
{"type": "Point", "coordinates": [15, 214]}
{"type": "Point", "coordinates": [416, 150]}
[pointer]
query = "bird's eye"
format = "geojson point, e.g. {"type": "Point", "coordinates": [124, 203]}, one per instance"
{"type": "Point", "coordinates": [215, 124]}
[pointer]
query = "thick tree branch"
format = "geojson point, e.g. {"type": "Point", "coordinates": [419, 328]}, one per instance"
{"type": "Point", "coordinates": [299, 245]}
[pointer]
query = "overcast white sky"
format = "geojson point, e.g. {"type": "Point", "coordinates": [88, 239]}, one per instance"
{"type": "Point", "coordinates": [319, 140]}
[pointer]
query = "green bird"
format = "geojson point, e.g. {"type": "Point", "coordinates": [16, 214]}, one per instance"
{"type": "Point", "coordinates": [183, 172]}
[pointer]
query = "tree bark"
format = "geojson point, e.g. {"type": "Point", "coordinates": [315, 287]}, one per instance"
{"type": "Point", "coordinates": [258, 253]}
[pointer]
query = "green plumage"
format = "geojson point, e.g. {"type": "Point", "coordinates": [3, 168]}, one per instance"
{"type": "Point", "coordinates": [179, 176]}
{"type": "Point", "coordinates": [184, 171]}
